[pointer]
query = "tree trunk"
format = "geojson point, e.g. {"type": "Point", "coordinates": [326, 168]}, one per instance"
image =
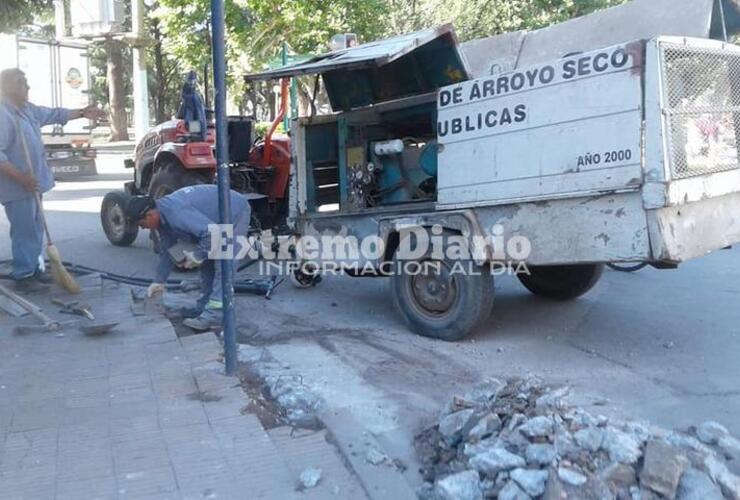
{"type": "Point", "coordinates": [118, 121]}
{"type": "Point", "coordinates": [160, 97]}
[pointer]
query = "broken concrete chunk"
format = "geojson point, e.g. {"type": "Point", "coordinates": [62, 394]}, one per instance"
{"type": "Point", "coordinates": [638, 430]}
{"type": "Point", "coordinates": [696, 485]}
{"type": "Point", "coordinates": [486, 426]}
{"type": "Point", "coordinates": [710, 432]}
{"type": "Point", "coordinates": [496, 460]}
{"type": "Point", "coordinates": [470, 450]}
{"type": "Point", "coordinates": [376, 457]}
{"type": "Point", "coordinates": [515, 421]}
{"type": "Point", "coordinates": [565, 445]}
{"type": "Point", "coordinates": [512, 492]}
{"type": "Point", "coordinates": [540, 454]}
{"type": "Point", "coordinates": [571, 477]}
{"type": "Point", "coordinates": [622, 447]}
{"type": "Point", "coordinates": [531, 481]}
{"type": "Point", "coordinates": [310, 477]}
{"type": "Point", "coordinates": [537, 427]}
{"type": "Point", "coordinates": [553, 488]}
{"type": "Point", "coordinates": [486, 391]}
{"type": "Point", "coordinates": [621, 475]}
{"type": "Point", "coordinates": [451, 426]}
{"type": "Point", "coordinates": [461, 486]}
{"type": "Point", "coordinates": [730, 447]}
{"type": "Point", "coordinates": [555, 398]}
{"type": "Point", "coordinates": [728, 482]}
{"type": "Point", "coordinates": [662, 469]}
{"type": "Point", "coordinates": [590, 438]}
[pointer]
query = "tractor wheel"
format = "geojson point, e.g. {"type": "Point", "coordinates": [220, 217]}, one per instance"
{"type": "Point", "coordinates": [561, 282]}
{"type": "Point", "coordinates": [172, 176]}
{"type": "Point", "coordinates": [168, 178]}
{"type": "Point", "coordinates": [118, 230]}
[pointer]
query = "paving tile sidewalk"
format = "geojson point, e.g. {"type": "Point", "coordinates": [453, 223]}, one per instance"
{"type": "Point", "coordinates": [136, 413]}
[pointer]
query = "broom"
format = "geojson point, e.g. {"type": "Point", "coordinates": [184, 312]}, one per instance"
{"type": "Point", "coordinates": [58, 272]}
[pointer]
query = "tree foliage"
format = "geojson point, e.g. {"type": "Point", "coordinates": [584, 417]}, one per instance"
{"type": "Point", "coordinates": [15, 14]}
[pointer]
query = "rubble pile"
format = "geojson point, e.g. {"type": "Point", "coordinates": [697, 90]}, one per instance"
{"type": "Point", "coordinates": [520, 440]}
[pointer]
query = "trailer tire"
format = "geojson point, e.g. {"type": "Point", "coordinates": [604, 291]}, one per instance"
{"type": "Point", "coordinates": [447, 313]}
{"type": "Point", "coordinates": [119, 231]}
{"type": "Point", "coordinates": [561, 282]}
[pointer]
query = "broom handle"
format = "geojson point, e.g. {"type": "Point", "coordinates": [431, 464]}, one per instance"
{"type": "Point", "coordinates": [37, 195]}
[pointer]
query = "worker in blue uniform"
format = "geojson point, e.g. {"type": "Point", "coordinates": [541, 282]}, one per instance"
{"type": "Point", "coordinates": [20, 130]}
{"type": "Point", "coordinates": [185, 216]}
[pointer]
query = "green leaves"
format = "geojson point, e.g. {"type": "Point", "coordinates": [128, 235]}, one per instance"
{"type": "Point", "coordinates": [16, 13]}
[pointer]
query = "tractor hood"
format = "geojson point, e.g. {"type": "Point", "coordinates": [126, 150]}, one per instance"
{"type": "Point", "coordinates": [384, 70]}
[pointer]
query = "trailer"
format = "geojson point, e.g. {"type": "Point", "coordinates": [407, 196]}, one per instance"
{"type": "Point", "coordinates": [622, 154]}
{"type": "Point", "coordinates": [58, 74]}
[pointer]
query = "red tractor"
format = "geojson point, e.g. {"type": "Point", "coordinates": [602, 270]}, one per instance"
{"type": "Point", "coordinates": [177, 153]}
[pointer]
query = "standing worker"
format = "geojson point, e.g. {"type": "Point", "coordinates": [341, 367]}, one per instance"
{"type": "Point", "coordinates": [185, 216]}
{"type": "Point", "coordinates": [20, 123]}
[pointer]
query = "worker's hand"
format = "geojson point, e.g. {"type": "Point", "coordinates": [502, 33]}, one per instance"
{"type": "Point", "coordinates": [28, 182]}
{"type": "Point", "coordinates": [155, 289]}
{"type": "Point", "coordinates": [92, 112]}
{"type": "Point", "coordinates": [191, 261]}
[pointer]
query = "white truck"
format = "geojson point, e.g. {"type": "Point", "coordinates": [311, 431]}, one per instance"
{"type": "Point", "coordinates": [58, 74]}
{"type": "Point", "coordinates": [621, 154]}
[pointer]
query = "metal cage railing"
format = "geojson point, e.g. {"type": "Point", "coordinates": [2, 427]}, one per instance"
{"type": "Point", "coordinates": [701, 103]}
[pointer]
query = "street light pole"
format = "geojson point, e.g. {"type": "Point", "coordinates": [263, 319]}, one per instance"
{"type": "Point", "coordinates": [224, 189]}
{"type": "Point", "coordinates": [141, 90]}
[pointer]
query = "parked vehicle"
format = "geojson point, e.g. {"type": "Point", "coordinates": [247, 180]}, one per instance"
{"type": "Point", "coordinates": [58, 74]}
{"type": "Point", "coordinates": [593, 158]}
{"type": "Point", "coordinates": [179, 153]}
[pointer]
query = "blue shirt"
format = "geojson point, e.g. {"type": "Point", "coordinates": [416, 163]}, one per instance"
{"type": "Point", "coordinates": [31, 118]}
{"type": "Point", "coordinates": [185, 216]}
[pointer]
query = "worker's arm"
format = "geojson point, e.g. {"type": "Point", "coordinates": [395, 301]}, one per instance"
{"type": "Point", "coordinates": [193, 222]}
{"type": "Point", "coordinates": [51, 116]}
{"type": "Point", "coordinates": [7, 169]}
{"type": "Point", "coordinates": [165, 265]}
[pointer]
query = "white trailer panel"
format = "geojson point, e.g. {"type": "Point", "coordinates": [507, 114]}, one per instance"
{"type": "Point", "coordinates": [565, 129]}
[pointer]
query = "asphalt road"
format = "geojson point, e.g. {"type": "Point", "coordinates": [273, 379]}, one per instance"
{"type": "Point", "coordinates": [658, 345]}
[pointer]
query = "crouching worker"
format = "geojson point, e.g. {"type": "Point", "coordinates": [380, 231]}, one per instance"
{"type": "Point", "coordinates": [184, 216]}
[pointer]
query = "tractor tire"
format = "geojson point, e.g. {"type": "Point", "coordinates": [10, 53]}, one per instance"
{"type": "Point", "coordinates": [117, 229]}
{"type": "Point", "coordinates": [438, 303]}
{"type": "Point", "coordinates": [561, 283]}
{"type": "Point", "coordinates": [168, 178]}
{"type": "Point", "coordinates": [172, 176]}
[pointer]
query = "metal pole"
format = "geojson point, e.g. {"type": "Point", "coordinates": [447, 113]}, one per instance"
{"type": "Point", "coordinates": [222, 160]}
{"type": "Point", "coordinates": [141, 90]}
{"type": "Point", "coordinates": [60, 25]}
{"type": "Point", "coordinates": [722, 18]}
{"type": "Point", "coordinates": [286, 118]}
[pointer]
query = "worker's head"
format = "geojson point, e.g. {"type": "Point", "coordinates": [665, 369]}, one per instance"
{"type": "Point", "coordinates": [143, 211]}
{"type": "Point", "coordinates": [13, 86]}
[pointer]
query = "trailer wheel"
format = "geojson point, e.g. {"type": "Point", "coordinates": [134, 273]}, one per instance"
{"type": "Point", "coordinates": [437, 302]}
{"type": "Point", "coordinates": [561, 282]}
{"type": "Point", "coordinates": [119, 231]}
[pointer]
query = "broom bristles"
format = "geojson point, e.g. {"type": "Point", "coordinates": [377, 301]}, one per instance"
{"type": "Point", "coordinates": [59, 273]}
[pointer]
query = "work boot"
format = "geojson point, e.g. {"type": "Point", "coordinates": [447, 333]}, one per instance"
{"type": "Point", "coordinates": [30, 285]}
{"type": "Point", "coordinates": [189, 312]}
{"type": "Point", "coordinates": [209, 319]}
{"type": "Point", "coordinates": [43, 278]}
